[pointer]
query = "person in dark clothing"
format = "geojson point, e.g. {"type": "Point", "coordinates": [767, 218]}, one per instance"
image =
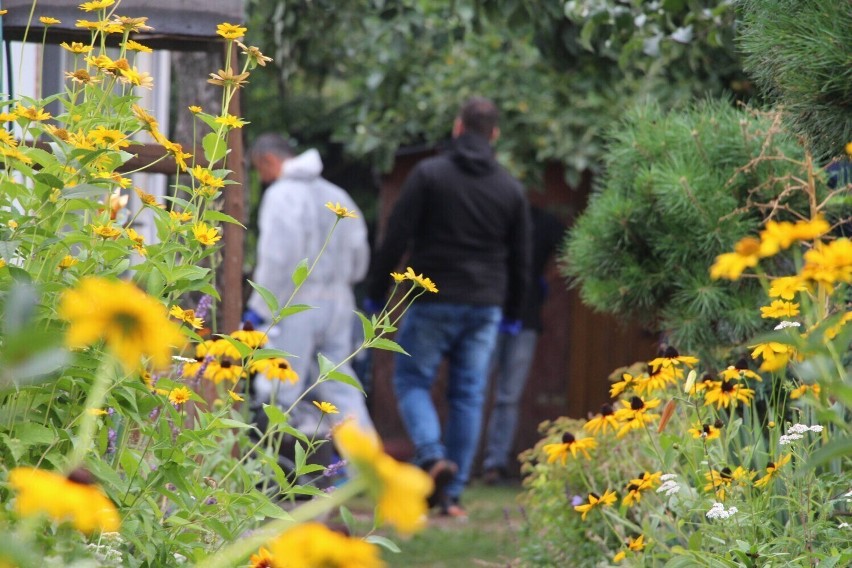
{"type": "Point", "coordinates": [513, 355]}
{"type": "Point", "coordinates": [465, 222]}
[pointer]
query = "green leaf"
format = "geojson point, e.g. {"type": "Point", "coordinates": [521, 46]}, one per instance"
{"type": "Point", "coordinates": [301, 272]}
{"type": "Point", "coordinates": [49, 180]}
{"type": "Point", "coordinates": [34, 433]}
{"type": "Point", "coordinates": [347, 518]}
{"type": "Point", "coordinates": [367, 326]}
{"type": "Point", "coordinates": [228, 423]}
{"type": "Point", "coordinates": [294, 309]}
{"type": "Point", "coordinates": [275, 415]}
{"type": "Point", "coordinates": [261, 354]}
{"type": "Point", "coordinates": [244, 349]}
{"type": "Point", "coordinates": [299, 455]}
{"type": "Point", "coordinates": [84, 190]}
{"type": "Point", "coordinates": [215, 148]}
{"type": "Point", "coordinates": [834, 449]}
{"type": "Point", "coordinates": [344, 378]}
{"type": "Point", "coordinates": [268, 297]}
{"type": "Point", "coordinates": [385, 543]}
{"type": "Point", "coordinates": [212, 215]}
{"type": "Point", "coordinates": [386, 344]}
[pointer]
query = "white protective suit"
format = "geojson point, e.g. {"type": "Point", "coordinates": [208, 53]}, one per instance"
{"type": "Point", "coordinates": [294, 223]}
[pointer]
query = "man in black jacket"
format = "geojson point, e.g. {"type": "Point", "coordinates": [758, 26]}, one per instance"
{"type": "Point", "coordinates": [465, 222]}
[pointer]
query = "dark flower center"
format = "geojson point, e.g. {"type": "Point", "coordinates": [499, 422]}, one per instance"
{"type": "Point", "coordinates": [81, 476]}
{"type": "Point", "coordinates": [607, 410]}
{"type": "Point", "coordinates": [671, 353]}
{"type": "Point", "coordinates": [568, 438]}
{"type": "Point", "coordinates": [247, 326]}
{"type": "Point", "coordinates": [718, 424]}
{"type": "Point", "coordinates": [636, 403]}
{"type": "Point", "coordinates": [741, 365]}
{"type": "Point", "coordinates": [726, 473]}
{"type": "Point", "coordinates": [727, 386]}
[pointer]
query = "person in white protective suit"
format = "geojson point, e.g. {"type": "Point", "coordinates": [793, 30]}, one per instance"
{"type": "Point", "coordinates": [294, 223]}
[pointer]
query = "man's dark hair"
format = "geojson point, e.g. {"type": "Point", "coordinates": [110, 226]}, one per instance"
{"type": "Point", "coordinates": [271, 143]}
{"type": "Point", "coordinates": [480, 115]}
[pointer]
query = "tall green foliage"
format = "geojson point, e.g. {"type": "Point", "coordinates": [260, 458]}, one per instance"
{"type": "Point", "coordinates": [800, 54]}
{"type": "Point", "coordinates": [675, 194]}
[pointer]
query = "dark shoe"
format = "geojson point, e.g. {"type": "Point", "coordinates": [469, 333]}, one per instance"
{"type": "Point", "coordinates": [442, 473]}
{"type": "Point", "coordinates": [495, 476]}
{"type": "Point", "coordinates": [451, 507]}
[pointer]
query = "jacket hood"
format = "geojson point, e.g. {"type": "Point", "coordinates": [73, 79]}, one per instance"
{"type": "Point", "coordinates": [473, 153]}
{"type": "Point", "coordinates": [307, 165]}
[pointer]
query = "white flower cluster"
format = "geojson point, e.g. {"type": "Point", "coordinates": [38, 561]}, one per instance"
{"type": "Point", "coordinates": [786, 324]}
{"type": "Point", "coordinates": [796, 431]}
{"type": "Point", "coordinates": [717, 511]}
{"type": "Point", "coordinates": [670, 486]}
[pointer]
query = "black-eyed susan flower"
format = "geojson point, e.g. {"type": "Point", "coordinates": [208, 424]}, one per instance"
{"type": "Point", "coordinates": [312, 544]}
{"type": "Point", "coordinates": [277, 368]}
{"type": "Point", "coordinates": [75, 499]}
{"type": "Point", "coordinates": [706, 432]}
{"type": "Point", "coordinates": [739, 371]}
{"type": "Point", "coordinates": [569, 445]}
{"type": "Point", "coordinates": [180, 395]}
{"type": "Point", "coordinates": [326, 407]}
{"type": "Point", "coordinates": [262, 559]}
{"type": "Point", "coordinates": [225, 370]}
{"type": "Point", "coordinates": [672, 359]}
{"type": "Point", "coordinates": [779, 309]}
{"type": "Point", "coordinates": [772, 470]}
{"type": "Point", "coordinates": [399, 489]}
{"type": "Point", "coordinates": [250, 336]}
{"type": "Point", "coordinates": [205, 235]}
{"type": "Point", "coordinates": [605, 500]}
{"type": "Point", "coordinates": [626, 383]}
{"type": "Point", "coordinates": [731, 265]}
{"type": "Point", "coordinates": [656, 380]}
{"type": "Point", "coordinates": [634, 415]}
{"type": "Point", "coordinates": [218, 348]}
{"type": "Point", "coordinates": [602, 422]}
{"type": "Point", "coordinates": [131, 323]}
{"type": "Point", "coordinates": [727, 394]}
{"type": "Point", "coordinates": [645, 482]}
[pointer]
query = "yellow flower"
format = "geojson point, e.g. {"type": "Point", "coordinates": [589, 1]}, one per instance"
{"type": "Point", "coordinates": [420, 280]}
{"type": "Point", "coordinates": [235, 397]}
{"type": "Point", "coordinates": [102, 26]}
{"type": "Point", "coordinates": [176, 150]}
{"type": "Point", "coordinates": [657, 380]}
{"type": "Point", "coordinates": [636, 545]}
{"type": "Point", "coordinates": [619, 557]}
{"type": "Point", "coordinates": [670, 359]}
{"type": "Point", "coordinates": [263, 559]}
{"type": "Point", "coordinates": [634, 415]}
{"type": "Point", "coordinates": [67, 262]}
{"type": "Point", "coordinates": [2, 262]}
{"type": "Point", "coordinates": [106, 231]}
{"type": "Point", "coordinates": [705, 431]}
{"type": "Point", "coordinates": [849, 149]}
{"type": "Point", "coordinates": [603, 421]}
{"type": "Point", "coordinates": [64, 499]}
{"type": "Point", "coordinates": [179, 395]}
{"type": "Point", "coordinates": [224, 371]}
{"type": "Point", "coordinates": [801, 390]}
{"type": "Point", "coordinates": [775, 355]}
{"type": "Point", "coordinates": [727, 393]}
{"type": "Point", "coordinates": [810, 229]}
{"type": "Point", "coordinates": [187, 316]}
{"type": "Point", "coordinates": [400, 489]}
{"type": "Point", "coordinates": [326, 407]}
{"type": "Point", "coordinates": [397, 277]}
{"type": "Point", "coordinates": [740, 371]}
{"type": "Point", "coordinates": [254, 54]}
{"type": "Point", "coordinates": [194, 109]}
{"type": "Point", "coordinates": [607, 499]}
{"type": "Point", "coordinates": [218, 348]}
{"type": "Point", "coordinates": [131, 323]}
{"type": "Point", "coordinates": [136, 46]}
{"type": "Point", "coordinates": [48, 21]}
{"type": "Point", "coordinates": [312, 545]}
{"type": "Point", "coordinates": [205, 235]}
{"type": "Point", "coordinates": [276, 368]}
{"type": "Point", "coordinates": [96, 5]}
{"type": "Point", "coordinates": [732, 264]}
{"type": "Point", "coordinates": [131, 24]}
{"type": "Point", "coordinates": [97, 411]}
{"type": "Point", "coordinates": [230, 121]}
{"type": "Point", "coordinates": [180, 216]}
{"type": "Point", "coordinates": [832, 331]}
{"type": "Point", "coordinates": [627, 381]}
{"type": "Point", "coordinates": [148, 199]}
{"type": "Point", "coordinates": [636, 486]}
{"type": "Point", "coordinates": [31, 113]}
{"type": "Point", "coordinates": [571, 445]}
{"type": "Point", "coordinates": [137, 78]}
{"type": "Point", "coordinates": [779, 309]}
{"type": "Point", "coordinates": [230, 31]}
{"type": "Point", "coordinates": [250, 336]}
{"type": "Point", "coordinates": [82, 76]}
{"type": "Point", "coordinates": [775, 237]}
{"type": "Point", "coordinates": [224, 78]}
{"type": "Point", "coordinates": [772, 470]}
{"type": "Point", "coordinates": [829, 263]}
{"type": "Point", "coordinates": [341, 211]}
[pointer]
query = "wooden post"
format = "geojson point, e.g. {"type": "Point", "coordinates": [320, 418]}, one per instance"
{"type": "Point", "coordinates": [233, 236]}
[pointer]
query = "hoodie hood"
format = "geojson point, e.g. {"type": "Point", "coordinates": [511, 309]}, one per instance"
{"type": "Point", "coordinates": [307, 165]}
{"type": "Point", "coordinates": [473, 154]}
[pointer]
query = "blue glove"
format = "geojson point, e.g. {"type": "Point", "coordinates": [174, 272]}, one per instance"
{"type": "Point", "coordinates": [371, 306]}
{"type": "Point", "coordinates": [510, 327]}
{"type": "Point", "coordinates": [253, 318]}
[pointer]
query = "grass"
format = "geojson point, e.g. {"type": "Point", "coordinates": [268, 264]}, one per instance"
{"type": "Point", "coordinates": [489, 538]}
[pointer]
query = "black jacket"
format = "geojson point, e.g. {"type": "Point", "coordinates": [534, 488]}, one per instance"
{"type": "Point", "coordinates": [466, 223]}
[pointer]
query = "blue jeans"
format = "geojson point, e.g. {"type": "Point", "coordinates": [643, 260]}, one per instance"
{"type": "Point", "coordinates": [512, 360]}
{"type": "Point", "coordinates": [465, 334]}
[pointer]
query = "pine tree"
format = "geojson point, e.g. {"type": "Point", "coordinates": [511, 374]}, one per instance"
{"type": "Point", "coordinates": [678, 190]}
{"type": "Point", "coordinates": [800, 54]}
